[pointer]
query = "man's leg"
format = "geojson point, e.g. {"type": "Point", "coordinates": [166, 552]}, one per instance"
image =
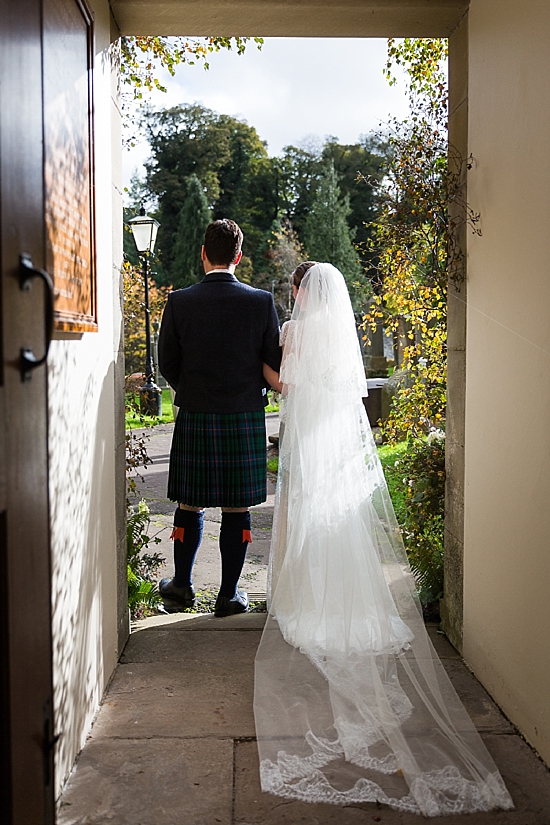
{"type": "Point", "coordinates": [187, 536]}
{"type": "Point", "coordinates": [234, 540]}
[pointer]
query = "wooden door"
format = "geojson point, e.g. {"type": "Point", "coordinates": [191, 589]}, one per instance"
{"type": "Point", "coordinates": [26, 720]}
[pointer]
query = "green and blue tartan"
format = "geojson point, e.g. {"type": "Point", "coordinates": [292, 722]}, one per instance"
{"type": "Point", "coordinates": [218, 459]}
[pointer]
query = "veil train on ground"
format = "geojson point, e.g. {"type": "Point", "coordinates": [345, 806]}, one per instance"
{"type": "Point", "coordinates": [351, 701]}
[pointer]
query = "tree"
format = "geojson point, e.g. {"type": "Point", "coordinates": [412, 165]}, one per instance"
{"type": "Point", "coordinates": [139, 59]}
{"type": "Point", "coordinates": [281, 252]}
{"type": "Point", "coordinates": [327, 234]}
{"type": "Point", "coordinates": [134, 315]}
{"type": "Point", "coordinates": [301, 170]}
{"type": "Point", "coordinates": [137, 196]}
{"type": "Point", "coordinates": [411, 238]}
{"type": "Point", "coordinates": [195, 216]}
{"type": "Point", "coordinates": [416, 240]}
{"type": "Point", "coordinates": [242, 182]}
{"type": "Point", "coordinates": [416, 237]}
{"type": "Point", "coordinates": [218, 149]}
{"type": "Point", "coordinates": [353, 163]}
{"type": "Point", "coordinates": [256, 205]}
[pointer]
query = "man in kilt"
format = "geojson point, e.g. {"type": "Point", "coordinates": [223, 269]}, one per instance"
{"type": "Point", "coordinates": [214, 338]}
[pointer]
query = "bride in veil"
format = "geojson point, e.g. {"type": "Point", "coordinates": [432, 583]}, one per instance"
{"type": "Point", "coordinates": [351, 702]}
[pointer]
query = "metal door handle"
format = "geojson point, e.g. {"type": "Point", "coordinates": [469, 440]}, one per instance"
{"type": "Point", "coordinates": [49, 741]}
{"type": "Point", "coordinates": [27, 272]}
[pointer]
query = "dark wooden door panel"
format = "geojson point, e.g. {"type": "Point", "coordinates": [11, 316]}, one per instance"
{"type": "Point", "coordinates": [25, 644]}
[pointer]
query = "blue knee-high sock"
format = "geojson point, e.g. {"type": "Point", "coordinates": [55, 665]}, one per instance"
{"type": "Point", "coordinates": [234, 539]}
{"type": "Point", "coordinates": [187, 535]}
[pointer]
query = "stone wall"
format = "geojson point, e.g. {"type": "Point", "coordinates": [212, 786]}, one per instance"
{"type": "Point", "coordinates": [452, 604]}
{"type": "Point", "coordinates": [507, 403]}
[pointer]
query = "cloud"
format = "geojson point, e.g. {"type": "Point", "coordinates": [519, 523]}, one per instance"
{"type": "Point", "coordinates": [292, 88]}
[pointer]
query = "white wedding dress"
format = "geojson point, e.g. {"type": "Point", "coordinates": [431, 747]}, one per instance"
{"type": "Point", "coordinates": [351, 702]}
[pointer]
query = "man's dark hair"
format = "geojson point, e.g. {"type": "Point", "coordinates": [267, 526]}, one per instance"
{"type": "Point", "coordinates": [222, 242]}
{"type": "Point", "coordinates": [300, 271]}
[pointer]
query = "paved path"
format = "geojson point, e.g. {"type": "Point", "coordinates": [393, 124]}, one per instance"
{"type": "Point", "coordinates": [173, 743]}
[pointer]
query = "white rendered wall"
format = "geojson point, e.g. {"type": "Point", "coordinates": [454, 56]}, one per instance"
{"type": "Point", "coordinates": [83, 441]}
{"type": "Point", "coordinates": [507, 476]}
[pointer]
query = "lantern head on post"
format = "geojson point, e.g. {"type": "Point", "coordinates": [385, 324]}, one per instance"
{"type": "Point", "coordinates": [144, 229]}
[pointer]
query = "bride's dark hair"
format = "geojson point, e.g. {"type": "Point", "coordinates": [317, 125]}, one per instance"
{"type": "Point", "coordinates": [300, 271]}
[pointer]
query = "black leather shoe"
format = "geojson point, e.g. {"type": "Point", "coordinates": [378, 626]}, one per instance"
{"type": "Point", "coordinates": [176, 596]}
{"type": "Point", "coordinates": [229, 607]}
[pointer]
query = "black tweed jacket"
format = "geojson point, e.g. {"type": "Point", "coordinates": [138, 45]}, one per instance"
{"type": "Point", "coordinates": [213, 339]}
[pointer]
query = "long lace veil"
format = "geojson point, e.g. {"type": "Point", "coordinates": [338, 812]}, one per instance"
{"type": "Point", "coordinates": [351, 702]}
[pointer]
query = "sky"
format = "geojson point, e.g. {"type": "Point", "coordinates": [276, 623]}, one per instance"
{"type": "Point", "coordinates": [293, 91]}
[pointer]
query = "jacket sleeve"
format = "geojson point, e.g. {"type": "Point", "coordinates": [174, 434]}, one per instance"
{"type": "Point", "coordinates": [271, 351]}
{"type": "Point", "coordinates": [169, 346]}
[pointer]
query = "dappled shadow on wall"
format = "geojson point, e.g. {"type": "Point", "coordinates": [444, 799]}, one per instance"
{"type": "Point", "coordinates": [83, 538]}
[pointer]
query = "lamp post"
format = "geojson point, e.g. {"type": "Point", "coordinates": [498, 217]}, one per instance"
{"type": "Point", "coordinates": [144, 229]}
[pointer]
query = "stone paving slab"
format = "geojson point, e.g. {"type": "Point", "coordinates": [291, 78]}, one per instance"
{"type": "Point", "coordinates": [122, 782]}
{"type": "Point", "coordinates": [169, 710]}
{"type": "Point", "coordinates": [180, 699]}
{"type": "Point", "coordinates": [525, 776]}
{"type": "Point", "coordinates": [190, 653]}
{"type": "Point", "coordinates": [485, 713]}
{"type": "Point", "coordinates": [191, 649]}
{"type": "Point", "coordinates": [202, 621]}
{"type": "Point", "coordinates": [209, 669]}
{"type": "Point", "coordinates": [442, 645]}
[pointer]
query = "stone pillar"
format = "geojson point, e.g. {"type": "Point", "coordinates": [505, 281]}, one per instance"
{"type": "Point", "coordinates": [452, 604]}
{"type": "Point", "coordinates": [376, 365]}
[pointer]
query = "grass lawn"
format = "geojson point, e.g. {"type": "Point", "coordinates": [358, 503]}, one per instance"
{"type": "Point", "coordinates": [133, 420]}
{"type": "Point", "coordinates": [388, 456]}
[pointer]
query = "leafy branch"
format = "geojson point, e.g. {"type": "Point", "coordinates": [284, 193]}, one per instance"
{"type": "Point", "coordinates": [142, 57]}
{"type": "Point", "coordinates": [416, 237]}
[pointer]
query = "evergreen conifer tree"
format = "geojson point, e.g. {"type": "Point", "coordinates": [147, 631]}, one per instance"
{"type": "Point", "coordinates": [280, 254]}
{"type": "Point", "coordinates": [194, 217]}
{"type": "Point", "coordinates": [327, 234]}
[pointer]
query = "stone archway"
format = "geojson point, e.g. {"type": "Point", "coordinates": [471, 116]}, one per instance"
{"type": "Point", "coordinates": [360, 18]}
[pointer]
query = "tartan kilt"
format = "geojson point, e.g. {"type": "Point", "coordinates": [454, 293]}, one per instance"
{"type": "Point", "coordinates": [218, 459]}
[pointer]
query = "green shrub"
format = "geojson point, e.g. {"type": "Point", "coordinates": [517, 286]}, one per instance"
{"type": "Point", "coordinates": [422, 468]}
{"type": "Point", "coordinates": [273, 398]}
{"type": "Point", "coordinates": [273, 464]}
{"type": "Point", "coordinates": [143, 595]}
